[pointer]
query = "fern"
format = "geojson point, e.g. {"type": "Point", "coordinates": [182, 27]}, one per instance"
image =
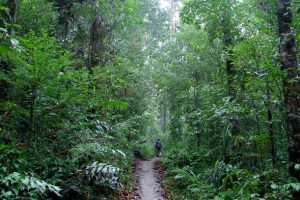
{"type": "Point", "coordinates": [103, 174]}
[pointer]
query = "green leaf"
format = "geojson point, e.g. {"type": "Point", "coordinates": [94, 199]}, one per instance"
{"type": "Point", "coordinates": [3, 8]}
{"type": "Point", "coordinates": [295, 186]}
{"type": "Point", "coordinates": [115, 104]}
{"type": "Point", "coordinates": [4, 49]}
{"type": "Point", "coordinates": [298, 36]}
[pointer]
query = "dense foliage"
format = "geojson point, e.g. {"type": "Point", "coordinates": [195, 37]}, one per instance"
{"type": "Point", "coordinates": [231, 122]}
{"type": "Point", "coordinates": [87, 85]}
{"type": "Point", "coordinates": [73, 98]}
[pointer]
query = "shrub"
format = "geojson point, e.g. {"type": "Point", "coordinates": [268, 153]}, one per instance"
{"type": "Point", "coordinates": [217, 173]}
{"type": "Point", "coordinates": [85, 152]}
{"type": "Point", "coordinates": [17, 185]}
{"type": "Point", "coordinates": [103, 174]}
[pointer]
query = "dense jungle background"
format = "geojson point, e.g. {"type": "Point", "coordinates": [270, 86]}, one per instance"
{"type": "Point", "coordinates": [87, 86]}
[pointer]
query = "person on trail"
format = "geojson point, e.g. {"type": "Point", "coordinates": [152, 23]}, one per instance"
{"type": "Point", "coordinates": [158, 147]}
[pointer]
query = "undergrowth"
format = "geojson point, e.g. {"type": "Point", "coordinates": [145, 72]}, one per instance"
{"type": "Point", "coordinates": [193, 175]}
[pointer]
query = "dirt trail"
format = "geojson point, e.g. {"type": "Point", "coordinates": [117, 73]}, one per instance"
{"type": "Point", "coordinates": [150, 188]}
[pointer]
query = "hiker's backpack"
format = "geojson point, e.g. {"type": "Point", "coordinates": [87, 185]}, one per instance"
{"type": "Point", "coordinates": [158, 145]}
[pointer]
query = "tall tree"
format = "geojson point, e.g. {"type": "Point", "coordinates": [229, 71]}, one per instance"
{"type": "Point", "coordinates": [291, 83]}
{"type": "Point", "coordinates": [217, 18]}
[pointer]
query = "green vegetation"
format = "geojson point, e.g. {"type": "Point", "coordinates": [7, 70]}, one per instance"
{"type": "Point", "coordinates": [88, 85]}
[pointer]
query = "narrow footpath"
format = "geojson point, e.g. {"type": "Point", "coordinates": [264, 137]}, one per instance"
{"type": "Point", "coordinates": [149, 175]}
{"type": "Point", "coordinates": [150, 188]}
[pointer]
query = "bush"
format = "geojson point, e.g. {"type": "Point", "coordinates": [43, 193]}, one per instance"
{"type": "Point", "coordinates": [216, 174]}
{"type": "Point", "coordinates": [95, 151]}
{"type": "Point", "coordinates": [17, 185]}
{"type": "Point", "coordinates": [190, 185]}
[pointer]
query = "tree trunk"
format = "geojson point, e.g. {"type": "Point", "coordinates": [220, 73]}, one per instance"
{"type": "Point", "coordinates": [291, 84]}
{"type": "Point", "coordinates": [230, 69]}
{"type": "Point", "coordinates": [164, 123]}
{"type": "Point", "coordinates": [258, 130]}
{"type": "Point", "coordinates": [64, 17]}
{"type": "Point", "coordinates": [4, 85]}
{"type": "Point", "coordinates": [31, 116]}
{"type": "Point", "coordinates": [229, 64]}
{"type": "Point", "coordinates": [233, 119]}
{"type": "Point", "coordinates": [271, 129]}
{"type": "Point", "coordinates": [97, 48]}
{"type": "Point", "coordinates": [196, 76]}
{"type": "Point", "coordinates": [12, 5]}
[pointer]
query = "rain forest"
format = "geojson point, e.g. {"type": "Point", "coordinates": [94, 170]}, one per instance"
{"type": "Point", "coordinates": [149, 99]}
